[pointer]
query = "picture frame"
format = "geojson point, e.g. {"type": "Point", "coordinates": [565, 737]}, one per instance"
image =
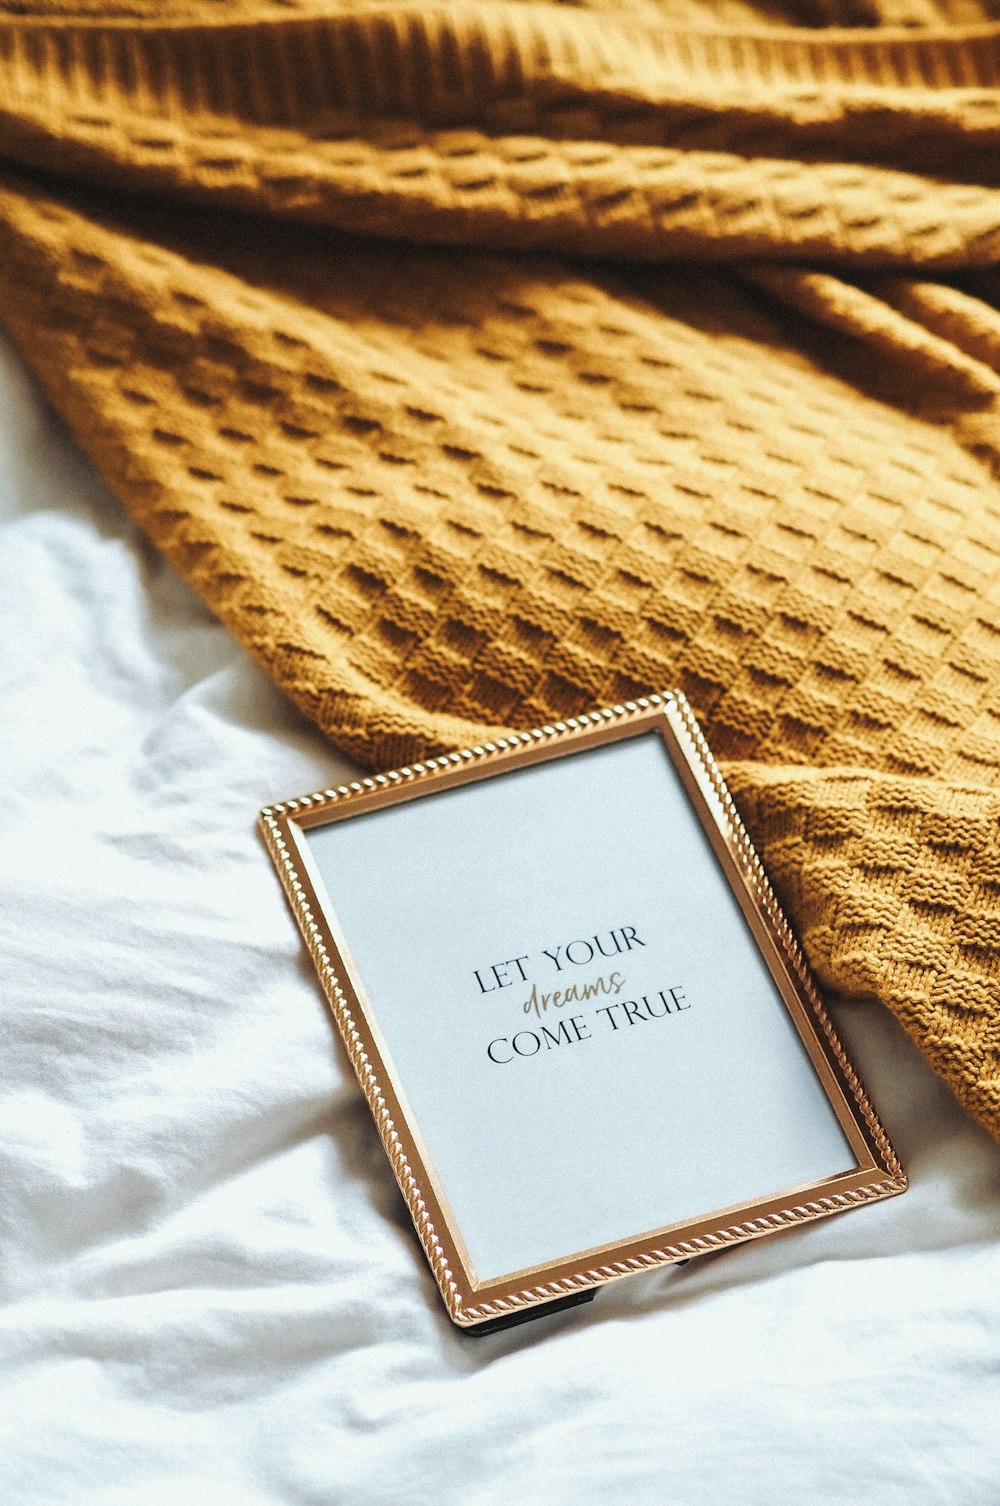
{"type": "Point", "coordinates": [683, 1089]}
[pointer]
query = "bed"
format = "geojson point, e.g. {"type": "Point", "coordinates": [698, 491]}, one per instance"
{"type": "Point", "coordinates": [211, 1288]}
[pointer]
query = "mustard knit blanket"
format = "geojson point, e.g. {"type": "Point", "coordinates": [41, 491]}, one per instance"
{"type": "Point", "coordinates": [482, 362]}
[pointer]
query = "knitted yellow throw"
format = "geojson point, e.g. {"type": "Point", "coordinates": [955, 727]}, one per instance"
{"type": "Point", "coordinates": [480, 363]}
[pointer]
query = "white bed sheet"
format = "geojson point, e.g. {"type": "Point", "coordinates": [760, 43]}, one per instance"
{"type": "Point", "coordinates": [209, 1288]}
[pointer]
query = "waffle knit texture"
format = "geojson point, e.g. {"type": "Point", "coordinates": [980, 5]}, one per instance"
{"type": "Point", "coordinates": [483, 363]}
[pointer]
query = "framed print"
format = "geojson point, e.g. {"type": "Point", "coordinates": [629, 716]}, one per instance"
{"type": "Point", "coordinates": [588, 1038]}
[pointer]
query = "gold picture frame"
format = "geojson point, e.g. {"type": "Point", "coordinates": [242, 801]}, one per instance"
{"type": "Point", "coordinates": [480, 1304]}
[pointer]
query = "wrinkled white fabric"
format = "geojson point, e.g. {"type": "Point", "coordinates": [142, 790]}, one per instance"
{"type": "Point", "coordinates": [210, 1291]}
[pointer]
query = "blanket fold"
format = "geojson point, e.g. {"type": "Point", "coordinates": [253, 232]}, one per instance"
{"type": "Point", "coordinates": [478, 363]}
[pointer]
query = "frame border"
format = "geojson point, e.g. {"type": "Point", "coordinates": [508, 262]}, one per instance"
{"type": "Point", "coordinates": [878, 1173]}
